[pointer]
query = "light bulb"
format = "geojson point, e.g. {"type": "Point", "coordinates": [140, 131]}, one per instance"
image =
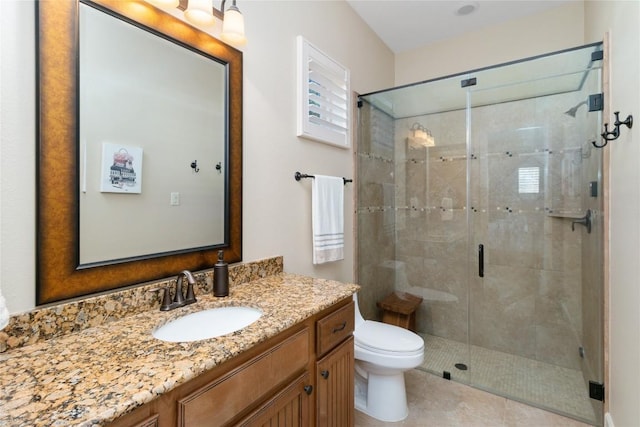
{"type": "Point", "coordinates": [233, 26]}
{"type": "Point", "coordinates": [200, 12]}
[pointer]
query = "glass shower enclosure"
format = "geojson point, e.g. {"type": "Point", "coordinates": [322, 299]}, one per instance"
{"type": "Point", "coordinates": [482, 193]}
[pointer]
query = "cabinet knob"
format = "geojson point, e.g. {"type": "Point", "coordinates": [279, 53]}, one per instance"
{"type": "Point", "coordinates": [324, 374]}
{"type": "Point", "coordinates": [308, 389]}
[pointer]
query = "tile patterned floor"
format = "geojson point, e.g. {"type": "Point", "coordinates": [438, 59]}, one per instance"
{"type": "Point", "coordinates": [434, 401]}
{"type": "Point", "coordinates": [541, 384]}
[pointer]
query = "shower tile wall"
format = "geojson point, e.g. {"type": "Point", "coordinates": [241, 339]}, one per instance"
{"type": "Point", "coordinates": [432, 238]}
{"type": "Point", "coordinates": [529, 302]}
{"type": "Point", "coordinates": [375, 208]}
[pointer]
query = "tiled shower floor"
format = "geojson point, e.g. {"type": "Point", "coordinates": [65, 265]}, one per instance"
{"type": "Point", "coordinates": [550, 387]}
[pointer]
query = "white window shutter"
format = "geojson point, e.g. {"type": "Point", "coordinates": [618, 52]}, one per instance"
{"type": "Point", "coordinates": [324, 106]}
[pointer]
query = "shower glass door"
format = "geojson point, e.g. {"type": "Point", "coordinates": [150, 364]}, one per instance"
{"type": "Point", "coordinates": [494, 165]}
{"type": "Point", "coordinates": [535, 275]}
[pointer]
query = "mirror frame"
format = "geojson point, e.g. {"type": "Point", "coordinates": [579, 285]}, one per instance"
{"type": "Point", "coordinates": [58, 276]}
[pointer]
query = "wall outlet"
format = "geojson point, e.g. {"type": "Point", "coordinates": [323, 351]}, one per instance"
{"type": "Point", "coordinates": [175, 198]}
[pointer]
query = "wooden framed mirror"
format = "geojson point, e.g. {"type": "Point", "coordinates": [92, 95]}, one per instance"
{"type": "Point", "coordinates": [62, 273]}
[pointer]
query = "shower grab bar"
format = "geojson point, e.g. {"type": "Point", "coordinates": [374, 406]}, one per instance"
{"type": "Point", "coordinates": [481, 260]}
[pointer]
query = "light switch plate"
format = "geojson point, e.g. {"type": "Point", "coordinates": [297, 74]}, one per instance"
{"type": "Point", "coordinates": [175, 198]}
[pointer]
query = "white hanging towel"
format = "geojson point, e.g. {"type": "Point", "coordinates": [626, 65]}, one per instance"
{"type": "Point", "coordinates": [327, 213]}
{"type": "Point", "coordinates": [4, 312]}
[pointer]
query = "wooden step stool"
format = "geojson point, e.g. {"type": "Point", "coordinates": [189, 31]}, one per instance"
{"type": "Point", "coordinates": [399, 309]}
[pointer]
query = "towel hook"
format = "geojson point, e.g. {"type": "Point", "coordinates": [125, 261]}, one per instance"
{"type": "Point", "coordinates": [608, 135]}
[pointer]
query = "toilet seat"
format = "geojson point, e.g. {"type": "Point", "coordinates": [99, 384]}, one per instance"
{"type": "Point", "coordinates": [382, 338]}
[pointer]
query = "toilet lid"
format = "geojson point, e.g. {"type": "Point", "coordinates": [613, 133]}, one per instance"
{"type": "Point", "coordinates": [387, 338]}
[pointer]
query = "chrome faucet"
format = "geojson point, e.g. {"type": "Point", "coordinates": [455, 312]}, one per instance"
{"type": "Point", "coordinates": [179, 300]}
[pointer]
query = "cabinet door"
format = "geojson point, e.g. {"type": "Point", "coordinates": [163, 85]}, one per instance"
{"type": "Point", "coordinates": [334, 387]}
{"type": "Point", "coordinates": [288, 408]}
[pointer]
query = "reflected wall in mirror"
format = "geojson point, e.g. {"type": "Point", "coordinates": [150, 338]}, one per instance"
{"type": "Point", "coordinates": [119, 202]}
{"type": "Point", "coordinates": [147, 101]}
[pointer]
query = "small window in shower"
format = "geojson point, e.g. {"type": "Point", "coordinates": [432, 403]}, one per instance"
{"type": "Point", "coordinates": [529, 180]}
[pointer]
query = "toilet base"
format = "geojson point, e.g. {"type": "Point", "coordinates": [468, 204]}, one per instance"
{"type": "Point", "coordinates": [382, 397]}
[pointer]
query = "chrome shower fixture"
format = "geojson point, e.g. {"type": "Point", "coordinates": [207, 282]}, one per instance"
{"type": "Point", "coordinates": [573, 110]}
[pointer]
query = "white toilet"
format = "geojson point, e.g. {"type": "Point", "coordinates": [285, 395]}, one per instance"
{"type": "Point", "coordinates": [382, 354]}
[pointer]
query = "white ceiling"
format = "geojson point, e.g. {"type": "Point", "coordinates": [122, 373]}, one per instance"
{"type": "Point", "coordinates": [409, 24]}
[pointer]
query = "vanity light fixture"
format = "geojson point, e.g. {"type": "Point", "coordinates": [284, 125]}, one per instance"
{"type": "Point", "coordinates": [419, 136]}
{"type": "Point", "coordinates": [202, 13]}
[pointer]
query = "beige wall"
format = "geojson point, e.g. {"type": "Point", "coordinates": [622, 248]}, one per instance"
{"type": "Point", "coordinates": [17, 154]}
{"type": "Point", "coordinates": [554, 29]}
{"type": "Point", "coordinates": [276, 208]}
{"type": "Point", "coordinates": [620, 19]}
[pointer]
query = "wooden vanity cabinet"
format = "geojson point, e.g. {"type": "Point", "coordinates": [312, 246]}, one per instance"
{"type": "Point", "coordinates": [335, 368]}
{"type": "Point", "coordinates": [301, 377]}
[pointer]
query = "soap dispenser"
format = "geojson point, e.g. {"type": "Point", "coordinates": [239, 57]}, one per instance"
{"type": "Point", "coordinates": [221, 277]}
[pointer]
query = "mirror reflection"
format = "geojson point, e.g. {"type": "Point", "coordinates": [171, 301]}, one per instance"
{"type": "Point", "coordinates": [152, 167]}
{"type": "Point", "coordinates": [170, 187]}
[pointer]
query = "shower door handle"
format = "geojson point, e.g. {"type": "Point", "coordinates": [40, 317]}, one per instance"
{"type": "Point", "coordinates": [585, 220]}
{"type": "Point", "coordinates": [481, 260]}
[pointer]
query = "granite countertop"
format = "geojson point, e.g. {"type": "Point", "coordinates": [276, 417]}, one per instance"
{"type": "Point", "coordinates": [91, 377]}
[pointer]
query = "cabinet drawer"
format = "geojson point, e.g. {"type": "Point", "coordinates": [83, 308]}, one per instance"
{"type": "Point", "coordinates": [220, 401]}
{"type": "Point", "coordinates": [334, 328]}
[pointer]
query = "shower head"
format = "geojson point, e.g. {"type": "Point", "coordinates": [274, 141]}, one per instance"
{"type": "Point", "coordinates": [572, 111]}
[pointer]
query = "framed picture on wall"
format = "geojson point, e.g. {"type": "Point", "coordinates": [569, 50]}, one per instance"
{"type": "Point", "coordinates": [121, 170]}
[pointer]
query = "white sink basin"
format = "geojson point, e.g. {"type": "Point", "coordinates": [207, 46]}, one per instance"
{"type": "Point", "coordinates": [205, 324]}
